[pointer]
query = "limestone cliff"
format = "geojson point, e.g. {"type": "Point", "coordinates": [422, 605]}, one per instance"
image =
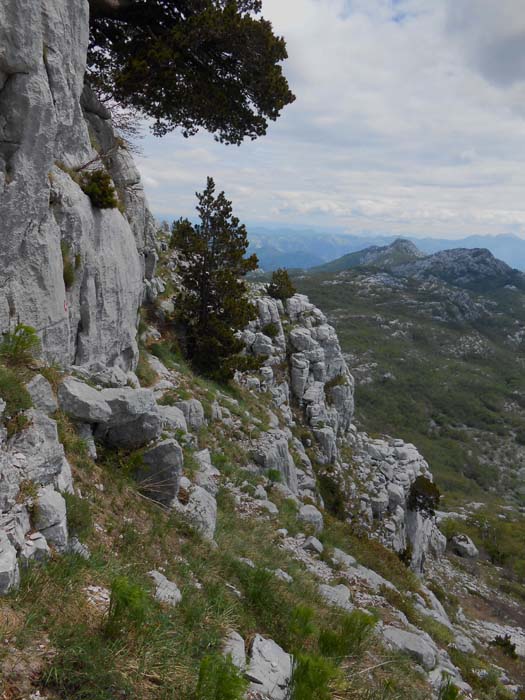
{"type": "Point", "coordinates": [307, 376]}
{"type": "Point", "coordinates": [50, 123]}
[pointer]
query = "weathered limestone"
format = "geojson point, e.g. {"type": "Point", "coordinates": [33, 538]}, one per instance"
{"type": "Point", "coordinates": [233, 647]}
{"type": "Point", "coordinates": [50, 517]}
{"type": "Point", "coordinates": [271, 452]}
{"type": "Point", "coordinates": [34, 549]}
{"type": "Point", "coordinates": [463, 546]}
{"type": "Point", "coordinates": [83, 403]}
{"type": "Point", "coordinates": [9, 572]}
{"type": "Point", "coordinates": [207, 475]}
{"type": "Point", "coordinates": [173, 418]}
{"type": "Point", "coordinates": [419, 646]}
{"type": "Point", "coordinates": [165, 591]}
{"type": "Point", "coordinates": [269, 670]}
{"type": "Point", "coordinates": [36, 455]}
{"type": "Point", "coordinates": [160, 471]}
{"type": "Point", "coordinates": [42, 394]}
{"type": "Point", "coordinates": [338, 596]}
{"type": "Point", "coordinates": [309, 515]}
{"type": "Point", "coordinates": [135, 419]}
{"type": "Point", "coordinates": [198, 506]}
{"type": "Point", "coordinates": [41, 124]}
{"type": "Point", "coordinates": [193, 412]}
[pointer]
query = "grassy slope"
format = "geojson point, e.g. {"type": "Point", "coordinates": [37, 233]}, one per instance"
{"type": "Point", "coordinates": [451, 405]}
{"type": "Point", "coordinates": [56, 640]}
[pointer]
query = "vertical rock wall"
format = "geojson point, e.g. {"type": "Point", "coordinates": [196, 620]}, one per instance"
{"type": "Point", "coordinates": [43, 131]}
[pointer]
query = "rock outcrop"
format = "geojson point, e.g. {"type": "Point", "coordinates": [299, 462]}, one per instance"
{"type": "Point", "coordinates": [305, 372]}
{"type": "Point", "coordinates": [51, 125]}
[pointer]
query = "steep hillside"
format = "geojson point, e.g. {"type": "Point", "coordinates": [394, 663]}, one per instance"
{"type": "Point", "coordinates": [252, 519]}
{"type": "Point", "coordinates": [437, 364]}
{"type": "Point", "coordinates": [163, 537]}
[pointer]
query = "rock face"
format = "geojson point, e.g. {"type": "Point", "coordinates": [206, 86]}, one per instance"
{"type": "Point", "coordinates": [33, 455]}
{"type": "Point", "coordinates": [9, 572]}
{"type": "Point", "coordinates": [42, 394]}
{"type": "Point", "coordinates": [272, 454]}
{"type": "Point", "coordinates": [31, 521]}
{"type": "Point", "coordinates": [317, 389]}
{"type": "Point", "coordinates": [46, 126]}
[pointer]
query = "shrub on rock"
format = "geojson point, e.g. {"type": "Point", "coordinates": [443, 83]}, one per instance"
{"type": "Point", "coordinates": [98, 186]}
{"type": "Point", "coordinates": [424, 496]}
{"type": "Point", "coordinates": [281, 286]}
{"type": "Point", "coordinates": [20, 345]}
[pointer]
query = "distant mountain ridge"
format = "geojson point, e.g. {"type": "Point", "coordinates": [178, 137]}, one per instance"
{"type": "Point", "coordinates": [384, 257]}
{"type": "Point", "coordinates": [466, 268]}
{"type": "Point", "coordinates": [307, 248]}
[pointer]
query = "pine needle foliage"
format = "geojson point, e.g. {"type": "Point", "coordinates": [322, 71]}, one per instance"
{"type": "Point", "coordinates": [211, 64]}
{"type": "Point", "coordinates": [281, 286]}
{"type": "Point", "coordinates": [213, 305]}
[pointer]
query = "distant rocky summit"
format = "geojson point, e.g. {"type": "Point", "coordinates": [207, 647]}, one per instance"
{"type": "Point", "coordinates": [466, 268]}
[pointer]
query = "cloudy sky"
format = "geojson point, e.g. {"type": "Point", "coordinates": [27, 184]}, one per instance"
{"type": "Point", "coordinates": [410, 118]}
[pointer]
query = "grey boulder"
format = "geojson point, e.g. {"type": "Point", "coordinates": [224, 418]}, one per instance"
{"type": "Point", "coordinates": [309, 515]}
{"type": "Point", "coordinates": [199, 507]}
{"type": "Point", "coordinates": [346, 561]}
{"type": "Point", "coordinates": [337, 596]}
{"type": "Point", "coordinates": [207, 476]}
{"type": "Point", "coordinates": [418, 646]}
{"type": "Point", "coordinates": [269, 670]}
{"type": "Point", "coordinates": [9, 573]}
{"type": "Point", "coordinates": [193, 413]}
{"type": "Point", "coordinates": [135, 419]}
{"type": "Point", "coordinates": [173, 418]}
{"type": "Point", "coordinates": [42, 394]}
{"type": "Point", "coordinates": [82, 403]}
{"type": "Point", "coordinates": [160, 471]}
{"type": "Point", "coordinates": [233, 647]}
{"type": "Point", "coordinates": [464, 547]}
{"type": "Point", "coordinates": [166, 591]}
{"type": "Point", "coordinates": [313, 545]}
{"type": "Point", "coordinates": [35, 549]}
{"type": "Point", "coordinates": [51, 518]}
{"type": "Point", "coordinates": [271, 452]}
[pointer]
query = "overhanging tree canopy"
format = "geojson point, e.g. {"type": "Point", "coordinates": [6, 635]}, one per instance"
{"type": "Point", "coordinates": [212, 64]}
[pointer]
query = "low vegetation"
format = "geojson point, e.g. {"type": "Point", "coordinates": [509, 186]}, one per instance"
{"type": "Point", "coordinates": [19, 346]}
{"type": "Point", "coordinates": [98, 186]}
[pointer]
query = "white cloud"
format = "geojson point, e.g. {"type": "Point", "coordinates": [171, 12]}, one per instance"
{"type": "Point", "coordinates": [409, 118]}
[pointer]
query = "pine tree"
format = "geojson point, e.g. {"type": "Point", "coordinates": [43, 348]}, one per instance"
{"type": "Point", "coordinates": [213, 305]}
{"type": "Point", "coordinates": [281, 286]}
{"type": "Point", "coordinates": [190, 64]}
